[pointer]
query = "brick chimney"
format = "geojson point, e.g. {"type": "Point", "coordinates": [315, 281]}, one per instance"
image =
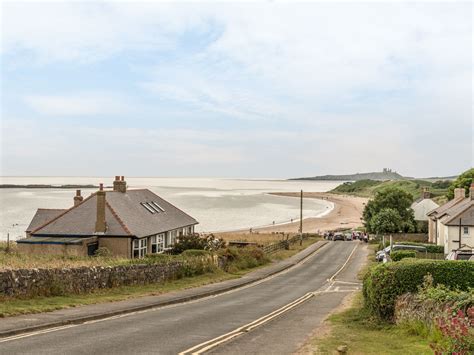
{"type": "Point", "coordinates": [459, 192]}
{"type": "Point", "coordinates": [100, 225]}
{"type": "Point", "coordinates": [120, 184]}
{"type": "Point", "coordinates": [425, 193]}
{"type": "Point", "coordinates": [471, 192]}
{"type": "Point", "coordinates": [78, 198]}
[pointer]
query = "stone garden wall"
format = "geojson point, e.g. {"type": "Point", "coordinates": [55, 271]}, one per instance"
{"type": "Point", "coordinates": [48, 282]}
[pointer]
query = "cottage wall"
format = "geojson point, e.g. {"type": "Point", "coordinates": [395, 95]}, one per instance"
{"type": "Point", "coordinates": [120, 247]}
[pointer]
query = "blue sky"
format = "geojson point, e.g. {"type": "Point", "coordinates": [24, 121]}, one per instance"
{"type": "Point", "coordinates": [262, 89]}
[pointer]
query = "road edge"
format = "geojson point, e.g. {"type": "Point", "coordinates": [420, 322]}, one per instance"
{"type": "Point", "coordinates": [159, 304]}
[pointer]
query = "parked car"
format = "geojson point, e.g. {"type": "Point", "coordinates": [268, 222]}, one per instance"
{"type": "Point", "coordinates": [382, 254]}
{"type": "Point", "coordinates": [348, 236]}
{"type": "Point", "coordinates": [338, 236]}
{"type": "Point", "coordinates": [461, 255]}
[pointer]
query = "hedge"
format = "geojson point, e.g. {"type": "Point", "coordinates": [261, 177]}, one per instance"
{"type": "Point", "coordinates": [402, 254]}
{"type": "Point", "coordinates": [430, 248]}
{"type": "Point", "coordinates": [384, 283]}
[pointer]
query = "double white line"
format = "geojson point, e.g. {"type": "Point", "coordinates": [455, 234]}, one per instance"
{"type": "Point", "coordinates": [210, 344]}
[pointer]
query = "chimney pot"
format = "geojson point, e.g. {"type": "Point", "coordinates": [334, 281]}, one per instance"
{"type": "Point", "coordinates": [101, 187]}
{"type": "Point", "coordinates": [117, 178]}
{"type": "Point", "coordinates": [123, 178]}
{"type": "Point", "coordinates": [78, 198]}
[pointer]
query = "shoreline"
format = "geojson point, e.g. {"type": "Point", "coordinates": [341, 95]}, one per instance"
{"type": "Point", "coordinates": [346, 212]}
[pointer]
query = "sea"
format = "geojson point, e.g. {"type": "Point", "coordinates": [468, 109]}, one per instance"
{"type": "Point", "coordinates": [218, 204]}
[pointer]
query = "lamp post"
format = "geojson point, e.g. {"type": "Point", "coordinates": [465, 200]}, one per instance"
{"type": "Point", "coordinates": [8, 238]}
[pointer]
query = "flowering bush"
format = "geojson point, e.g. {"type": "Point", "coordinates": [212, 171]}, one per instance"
{"type": "Point", "coordinates": [457, 329]}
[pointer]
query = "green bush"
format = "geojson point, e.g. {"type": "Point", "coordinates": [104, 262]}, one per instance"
{"type": "Point", "coordinates": [402, 254]}
{"type": "Point", "coordinates": [384, 283]}
{"type": "Point", "coordinates": [195, 252]}
{"type": "Point", "coordinates": [243, 258]}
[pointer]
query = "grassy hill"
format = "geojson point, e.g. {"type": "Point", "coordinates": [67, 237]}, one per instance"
{"type": "Point", "coordinates": [368, 188]}
{"type": "Point", "coordinates": [381, 176]}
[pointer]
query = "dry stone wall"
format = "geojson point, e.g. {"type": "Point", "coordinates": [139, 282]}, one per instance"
{"type": "Point", "coordinates": [49, 282]}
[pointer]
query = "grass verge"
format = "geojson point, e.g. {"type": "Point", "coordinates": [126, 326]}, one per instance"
{"type": "Point", "coordinates": [355, 328]}
{"type": "Point", "coordinates": [12, 307]}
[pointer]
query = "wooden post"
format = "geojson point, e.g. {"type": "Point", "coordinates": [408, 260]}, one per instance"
{"type": "Point", "coordinates": [301, 218]}
{"type": "Point", "coordinates": [8, 243]}
{"type": "Point", "coordinates": [460, 233]}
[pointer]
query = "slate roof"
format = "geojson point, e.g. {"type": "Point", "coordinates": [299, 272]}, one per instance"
{"type": "Point", "coordinates": [42, 216]}
{"type": "Point", "coordinates": [124, 215]}
{"type": "Point", "coordinates": [464, 210]}
{"type": "Point", "coordinates": [441, 210]}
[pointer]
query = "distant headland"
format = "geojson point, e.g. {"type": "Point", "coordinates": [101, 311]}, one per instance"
{"type": "Point", "coordinates": [384, 175]}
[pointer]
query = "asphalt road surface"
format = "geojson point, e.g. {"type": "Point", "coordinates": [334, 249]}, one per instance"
{"type": "Point", "coordinates": [179, 328]}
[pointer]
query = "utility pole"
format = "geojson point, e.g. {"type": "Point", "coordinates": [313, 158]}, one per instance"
{"type": "Point", "coordinates": [301, 218]}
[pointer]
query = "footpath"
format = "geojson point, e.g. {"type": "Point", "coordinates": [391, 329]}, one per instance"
{"type": "Point", "coordinates": [16, 325]}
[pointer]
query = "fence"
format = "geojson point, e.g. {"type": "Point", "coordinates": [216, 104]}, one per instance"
{"type": "Point", "coordinates": [284, 244]}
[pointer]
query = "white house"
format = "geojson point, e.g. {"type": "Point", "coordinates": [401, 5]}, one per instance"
{"type": "Point", "coordinates": [452, 224]}
{"type": "Point", "coordinates": [423, 205]}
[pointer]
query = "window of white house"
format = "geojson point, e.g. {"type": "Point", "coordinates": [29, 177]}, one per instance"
{"type": "Point", "coordinates": [158, 243]}
{"type": "Point", "coordinates": [139, 248]}
{"type": "Point", "coordinates": [466, 230]}
{"type": "Point", "coordinates": [171, 238]}
{"type": "Point", "coordinates": [190, 230]}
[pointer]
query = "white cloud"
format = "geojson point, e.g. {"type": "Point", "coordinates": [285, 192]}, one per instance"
{"type": "Point", "coordinates": [77, 104]}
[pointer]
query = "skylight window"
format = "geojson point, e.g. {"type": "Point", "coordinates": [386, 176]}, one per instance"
{"type": "Point", "coordinates": [158, 206]}
{"type": "Point", "coordinates": [149, 209]}
{"type": "Point", "coordinates": [152, 207]}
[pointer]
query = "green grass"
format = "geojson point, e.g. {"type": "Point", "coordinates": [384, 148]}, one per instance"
{"type": "Point", "coordinates": [368, 188]}
{"type": "Point", "coordinates": [362, 335]}
{"type": "Point", "coordinates": [11, 307]}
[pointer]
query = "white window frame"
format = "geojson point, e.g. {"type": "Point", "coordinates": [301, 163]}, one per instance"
{"type": "Point", "coordinates": [159, 242]}
{"type": "Point", "coordinates": [139, 245]}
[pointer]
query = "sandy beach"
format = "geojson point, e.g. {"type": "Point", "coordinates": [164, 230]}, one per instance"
{"type": "Point", "coordinates": [347, 213]}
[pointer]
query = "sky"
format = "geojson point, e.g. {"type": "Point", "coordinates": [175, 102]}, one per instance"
{"type": "Point", "coordinates": [244, 89]}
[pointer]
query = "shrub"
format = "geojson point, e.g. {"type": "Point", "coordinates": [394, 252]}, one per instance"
{"type": "Point", "coordinates": [195, 252]}
{"type": "Point", "coordinates": [384, 283]}
{"type": "Point", "coordinates": [457, 330]}
{"type": "Point", "coordinates": [402, 254]}
{"type": "Point", "coordinates": [195, 242]}
{"type": "Point", "coordinates": [243, 258]}
{"type": "Point", "coordinates": [103, 252]}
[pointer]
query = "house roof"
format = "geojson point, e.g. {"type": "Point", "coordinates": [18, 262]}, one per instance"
{"type": "Point", "coordinates": [441, 210]}
{"type": "Point", "coordinates": [52, 240]}
{"type": "Point", "coordinates": [463, 211]}
{"type": "Point", "coordinates": [125, 216]}
{"type": "Point", "coordinates": [422, 208]}
{"type": "Point", "coordinates": [42, 216]}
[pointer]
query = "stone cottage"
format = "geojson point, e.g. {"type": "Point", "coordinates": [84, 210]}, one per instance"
{"type": "Point", "coordinates": [129, 223]}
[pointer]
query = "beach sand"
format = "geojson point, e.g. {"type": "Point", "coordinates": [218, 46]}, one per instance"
{"type": "Point", "coordinates": [347, 213]}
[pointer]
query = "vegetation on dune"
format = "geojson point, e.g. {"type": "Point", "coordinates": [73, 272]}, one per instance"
{"type": "Point", "coordinates": [369, 188]}
{"type": "Point", "coordinates": [464, 180]}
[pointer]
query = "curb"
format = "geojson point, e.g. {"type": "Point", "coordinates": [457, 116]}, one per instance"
{"type": "Point", "coordinates": [177, 300]}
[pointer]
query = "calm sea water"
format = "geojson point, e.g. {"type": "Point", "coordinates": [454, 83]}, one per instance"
{"type": "Point", "coordinates": [218, 204]}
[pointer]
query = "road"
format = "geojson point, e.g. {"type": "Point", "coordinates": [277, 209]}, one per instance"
{"type": "Point", "coordinates": [179, 328]}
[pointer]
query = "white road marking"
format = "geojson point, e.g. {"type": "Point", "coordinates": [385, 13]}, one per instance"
{"type": "Point", "coordinates": [55, 329]}
{"type": "Point", "coordinates": [212, 343]}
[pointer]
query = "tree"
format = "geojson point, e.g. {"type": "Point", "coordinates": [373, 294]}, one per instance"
{"type": "Point", "coordinates": [464, 180]}
{"type": "Point", "coordinates": [395, 199]}
{"type": "Point", "coordinates": [388, 220]}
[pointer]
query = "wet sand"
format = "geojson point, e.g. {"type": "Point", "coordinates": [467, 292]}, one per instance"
{"type": "Point", "coordinates": [347, 213]}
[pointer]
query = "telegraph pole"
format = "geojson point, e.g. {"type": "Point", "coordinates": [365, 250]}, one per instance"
{"type": "Point", "coordinates": [301, 218]}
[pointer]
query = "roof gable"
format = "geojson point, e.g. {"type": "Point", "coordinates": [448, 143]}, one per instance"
{"type": "Point", "coordinates": [139, 220]}
{"type": "Point", "coordinates": [42, 216]}
{"type": "Point", "coordinates": [125, 216]}
{"type": "Point", "coordinates": [441, 210]}
{"type": "Point", "coordinates": [80, 220]}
